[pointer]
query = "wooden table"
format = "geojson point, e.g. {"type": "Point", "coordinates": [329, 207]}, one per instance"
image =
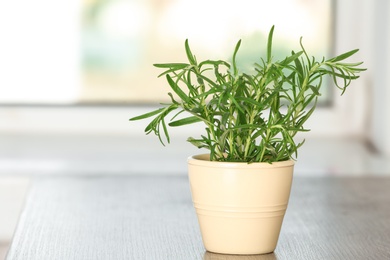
{"type": "Point", "coordinates": [148, 217]}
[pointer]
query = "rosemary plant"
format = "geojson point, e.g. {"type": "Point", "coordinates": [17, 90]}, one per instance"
{"type": "Point", "coordinates": [248, 117]}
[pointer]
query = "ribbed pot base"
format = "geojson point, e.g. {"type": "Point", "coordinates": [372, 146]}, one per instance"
{"type": "Point", "coordinates": [230, 226]}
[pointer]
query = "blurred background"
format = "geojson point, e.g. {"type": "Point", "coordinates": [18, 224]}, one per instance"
{"type": "Point", "coordinates": [73, 72]}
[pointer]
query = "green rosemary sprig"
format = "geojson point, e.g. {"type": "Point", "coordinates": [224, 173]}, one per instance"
{"type": "Point", "coordinates": [248, 117]}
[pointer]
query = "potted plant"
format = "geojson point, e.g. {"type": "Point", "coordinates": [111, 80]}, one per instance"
{"type": "Point", "coordinates": [241, 188]}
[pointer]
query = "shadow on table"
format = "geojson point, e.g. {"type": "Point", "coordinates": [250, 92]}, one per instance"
{"type": "Point", "coordinates": [214, 256]}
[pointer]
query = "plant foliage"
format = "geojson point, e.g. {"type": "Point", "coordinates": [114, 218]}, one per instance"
{"type": "Point", "coordinates": [248, 117]}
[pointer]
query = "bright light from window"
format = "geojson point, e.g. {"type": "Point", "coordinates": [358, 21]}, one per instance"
{"type": "Point", "coordinates": [121, 39]}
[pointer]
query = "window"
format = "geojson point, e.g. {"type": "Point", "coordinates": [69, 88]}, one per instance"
{"type": "Point", "coordinates": [44, 58]}
{"type": "Point", "coordinates": [121, 39]}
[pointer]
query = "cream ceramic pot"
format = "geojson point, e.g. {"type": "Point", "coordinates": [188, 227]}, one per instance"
{"type": "Point", "coordinates": [240, 206]}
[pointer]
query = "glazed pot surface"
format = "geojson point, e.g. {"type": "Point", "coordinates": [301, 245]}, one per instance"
{"type": "Point", "coordinates": [240, 206]}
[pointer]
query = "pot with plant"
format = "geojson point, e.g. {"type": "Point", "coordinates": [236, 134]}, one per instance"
{"type": "Point", "coordinates": [241, 188]}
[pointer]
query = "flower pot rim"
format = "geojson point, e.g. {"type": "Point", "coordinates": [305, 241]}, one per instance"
{"type": "Point", "coordinates": [204, 160]}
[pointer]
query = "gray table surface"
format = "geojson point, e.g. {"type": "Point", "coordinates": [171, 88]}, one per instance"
{"type": "Point", "coordinates": [151, 217]}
